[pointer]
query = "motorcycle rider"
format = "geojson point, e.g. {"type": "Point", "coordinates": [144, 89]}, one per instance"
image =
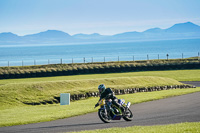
{"type": "Point", "coordinates": [107, 93]}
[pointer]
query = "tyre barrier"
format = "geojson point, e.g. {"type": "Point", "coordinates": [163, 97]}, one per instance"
{"type": "Point", "coordinates": [75, 97]}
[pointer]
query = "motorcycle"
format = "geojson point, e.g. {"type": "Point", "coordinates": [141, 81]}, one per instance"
{"type": "Point", "coordinates": [108, 111]}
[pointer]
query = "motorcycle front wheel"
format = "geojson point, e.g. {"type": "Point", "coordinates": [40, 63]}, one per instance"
{"type": "Point", "coordinates": [128, 116]}
{"type": "Point", "coordinates": [103, 116]}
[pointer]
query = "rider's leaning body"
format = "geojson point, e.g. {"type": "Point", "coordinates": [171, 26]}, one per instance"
{"type": "Point", "coordinates": [107, 93]}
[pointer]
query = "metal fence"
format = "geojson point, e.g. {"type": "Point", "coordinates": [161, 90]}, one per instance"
{"type": "Point", "coordinates": [30, 62]}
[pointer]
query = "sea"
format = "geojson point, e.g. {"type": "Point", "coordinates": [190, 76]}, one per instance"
{"type": "Point", "coordinates": [29, 54]}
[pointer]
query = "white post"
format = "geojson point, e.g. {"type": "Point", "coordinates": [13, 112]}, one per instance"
{"type": "Point", "coordinates": [65, 99]}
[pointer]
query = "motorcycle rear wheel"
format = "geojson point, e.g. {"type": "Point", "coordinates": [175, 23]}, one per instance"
{"type": "Point", "coordinates": [128, 115]}
{"type": "Point", "coordinates": [103, 117]}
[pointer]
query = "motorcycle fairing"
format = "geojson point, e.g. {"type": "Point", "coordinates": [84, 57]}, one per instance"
{"type": "Point", "coordinates": [117, 117]}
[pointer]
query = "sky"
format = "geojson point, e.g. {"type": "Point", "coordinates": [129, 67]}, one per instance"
{"type": "Point", "coordinates": [106, 17]}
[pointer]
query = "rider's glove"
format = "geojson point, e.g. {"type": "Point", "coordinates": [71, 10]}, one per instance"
{"type": "Point", "coordinates": [96, 105]}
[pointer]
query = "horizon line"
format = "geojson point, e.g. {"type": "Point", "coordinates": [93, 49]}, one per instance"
{"type": "Point", "coordinates": [95, 32]}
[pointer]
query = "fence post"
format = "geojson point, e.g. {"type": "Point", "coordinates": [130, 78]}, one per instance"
{"type": "Point", "coordinates": [182, 55]}
{"type": "Point", "coordinates": [133, 58]}
{"type": "Point", "coordinates": [104, 59]}
{"type": "Point", "coordinates": [158, 57]}
{"type": "Point", "coordinates": [48, 61]}
{"type": "Point", "coordinates": [118, 58]}
{"type": "Point", "coordinates": [72, 60]}
{"type": "Point", "coordinates": [8, 64]}
{"type": "Point", "coordinates": [167, 56]}
{"type": "Point", "coordinates": [84, 59]}
{"type": "Point", "coordinates": [61, 61]}
{"type": "Point", "coordinates": [147, 57]}
{"type": "Point", "coordinates": [92, 59]}
{"type": "Point", "coordinates": [22, 63]}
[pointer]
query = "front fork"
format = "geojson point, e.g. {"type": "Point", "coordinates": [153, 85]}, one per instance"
{"type": "Point", "coordinates": [126, 108]}
{"type": "Point", "coordinates": [105, 110]}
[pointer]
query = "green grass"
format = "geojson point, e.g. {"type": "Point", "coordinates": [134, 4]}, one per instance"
{"type": "Point", "coordinates": [57, 69]}
{"type": "Point", "coordinates": [16, 91]}
{"type": "Point", "coordinates": [180, 75]}
{"type": "Point", "coordinates": [193, 127]}
{"type": "Point", "coordinates": [31, 114]}
{"type": "Point", "coordinates": [36, 92]}
{"type": "Point", "coordinates": [13, 92]}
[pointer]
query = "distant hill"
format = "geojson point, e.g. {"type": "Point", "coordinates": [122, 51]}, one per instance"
{"type": "Point", "coordinates": [154, 30]}
{"type": "Point", "coordinates": [128, 35]}
{"type": "Point", "coordinates": [50, 33]}
{"type": "Point", "coordinates": [49, 36]}
{"type": "Point", "coordinates": [179, 31]}
{"type": "Point", "coordinates": [9, 37]}
{"type": "Point", "coordinates": [186, 30]}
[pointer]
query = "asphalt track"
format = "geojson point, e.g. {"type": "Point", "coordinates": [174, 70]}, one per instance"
{"type": "Point", "coordinates": [195, 83]}
{"type": "Point", "coordinates": [185, 108]}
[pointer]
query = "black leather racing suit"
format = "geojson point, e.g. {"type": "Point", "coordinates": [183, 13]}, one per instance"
{"type": "Point", "coordinates": [108, 94]}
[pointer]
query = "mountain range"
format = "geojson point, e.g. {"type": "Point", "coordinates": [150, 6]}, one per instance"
{"type": "Point", "coordinates": [186, 30]}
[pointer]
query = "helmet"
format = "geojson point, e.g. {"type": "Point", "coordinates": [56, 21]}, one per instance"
{"type": "Point", "coordinates": [101, 88]}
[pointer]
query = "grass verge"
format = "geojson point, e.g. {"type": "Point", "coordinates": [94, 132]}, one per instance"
{"type": "Point", "coordinates": [98, 67]}
{"type": "Point", "coordinates": [193, 127]}
{"type": "Point", "coordinates": [36, 92]}
{"type": "Point", "coordinates": [180, 75]}
{"type": "Point", "coordinates": [16, 91]}
{"type": "Point", "coordinates": [41, 113]}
